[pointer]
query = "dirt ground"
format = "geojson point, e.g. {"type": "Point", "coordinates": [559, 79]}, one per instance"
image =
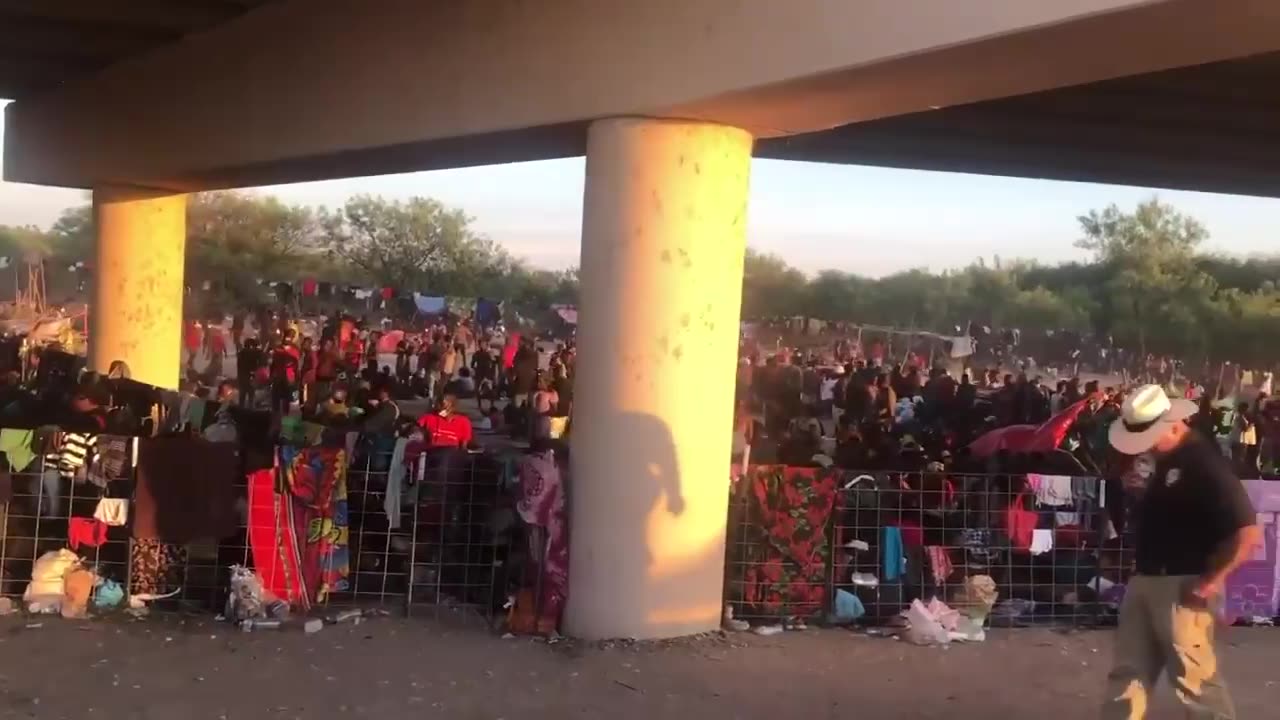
{"type": "Point", "coordinates": [392, 668]}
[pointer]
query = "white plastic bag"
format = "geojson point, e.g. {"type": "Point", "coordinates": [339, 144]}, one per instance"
{"type": "Point", "coordinates": [924, 628]}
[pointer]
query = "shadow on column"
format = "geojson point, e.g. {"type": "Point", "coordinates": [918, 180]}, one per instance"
{"type": "Point", "coordinates": [679, 590]}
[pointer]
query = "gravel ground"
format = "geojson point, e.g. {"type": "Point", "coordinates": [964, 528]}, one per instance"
{"type": "Point", "coordinates": [389, 668]}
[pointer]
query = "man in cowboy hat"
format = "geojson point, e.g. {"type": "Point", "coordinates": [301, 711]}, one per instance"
{"type": "Point", "coordinates": [1195, 525]}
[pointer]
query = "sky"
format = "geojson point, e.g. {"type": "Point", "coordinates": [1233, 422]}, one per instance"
{"type": "Point", "coordinates": [872, 221]}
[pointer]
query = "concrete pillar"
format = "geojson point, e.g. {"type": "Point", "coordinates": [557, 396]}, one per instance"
{"type": "Point", "coordinates": [663, 238]}
{"type": "Point", "coordinates": [135, 314]}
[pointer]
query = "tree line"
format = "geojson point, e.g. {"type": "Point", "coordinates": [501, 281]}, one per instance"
{"type": "Point", "coordinates": [235, 239]}
{"type": "Point", "coordinates": [1147, 287]}
{"type": "Point", "coordinates": [1147, 284]}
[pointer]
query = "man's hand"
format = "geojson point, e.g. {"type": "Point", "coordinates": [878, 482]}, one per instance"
{"type": "Point", "coordinates": [1203, 592]}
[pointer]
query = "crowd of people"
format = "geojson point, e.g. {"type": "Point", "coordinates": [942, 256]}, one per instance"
{"type": "Point", "coordinates": [358, 377]}
{"type": "Point", "coordinates": [835, 406]}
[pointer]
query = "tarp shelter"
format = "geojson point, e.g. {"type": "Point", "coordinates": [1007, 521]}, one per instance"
{"type": "Point", "coordinates": [1044, 438]}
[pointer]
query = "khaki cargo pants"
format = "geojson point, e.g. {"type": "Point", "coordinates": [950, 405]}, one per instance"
{"type": "Point", "coordinates": [1160, 633]}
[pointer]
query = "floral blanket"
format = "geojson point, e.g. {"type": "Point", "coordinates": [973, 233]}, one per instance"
{"type": "Point", "coordinates": [786, 543]}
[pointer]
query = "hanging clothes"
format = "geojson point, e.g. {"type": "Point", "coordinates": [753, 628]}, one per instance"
{"type": "Point", "coordinates": [185, 490]}
{"type": "Point", "coordinates": [893, 565]}
{"type": "Point", "coordinates": [309, 288]}
{"type": "Point", "coordinates": [939, 563]}
{"type": "Point", "coordinates": [112, 511]}
{"type": "Point", "coordinates": [396, 472]}
{"type": "Point", "coordinates": [16, 445]}
{"type": "Point", "coordinates": [299, 534]}
{"type": "Point", "coordinates": [76, 451]}
{"type": "Point", "coordinates": [1052, 490]}
{"type": "Point", "coordinates": [429, 304]}
{"type": "Point", "coordinates": [542, 505]}
{"type": "Point", "coordinates": [277, 558]}
{"type": "Point", "coordinates": [787, 546]}
{"type": "Point", "coordinates": [111, 459]}
{"type": "Point", "coordinates": [154, 566]}
{"type": "Point", "coordinates": [88, 532]}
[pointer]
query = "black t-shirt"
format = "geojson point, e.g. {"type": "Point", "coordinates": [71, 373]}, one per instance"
{"type": "Point", "coordinates": [1193, 503]}
{"type": "Point", "coordinates": [482, 361]}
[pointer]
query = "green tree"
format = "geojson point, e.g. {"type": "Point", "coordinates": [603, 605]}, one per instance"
{"type": "Point", "coordinates": [235, 240]}
{"type": "Point", "coordinates": [18, 243]}
{"type": "Point", "coordinates": [71, 236]}
{"type": "Point", "coordinates": [418, 244]}
{"type": "Point", "coordinates": [1149, 255]}
{"type": "Point", "coordinates": [771, 287]}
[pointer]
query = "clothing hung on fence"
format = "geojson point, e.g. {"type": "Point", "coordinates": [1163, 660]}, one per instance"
{"type": "Point", "coordinates": [185, 490]}
{"type": "Point", "coordinates": [395, 484]}
{"type": "Point", "coordinates": [46, 488]}
{"type": "Point", "coordinates": [154, 566]}
{"type": "Point", "coordinates": [111, 460]}
{"type": "Point", "coordinates": [298, 525]}
{"type": "Point", "coordinates": [893, 565]}
{"type": "Point", "coordinates": [542, 505]}
{"type": "Point", "coordinates": [17, 447]}
{"type": "Point", "coordinates": [89, 532]}
{"type": "Point", "coordinates": [77, 449]}
{"type": "Point", "coordinates": [112, 511]}
{"type": "Point", "coordinates": [787, 545]}
{"type": "Point", "coordinates": [1041, 541]}
{"type": "Point", "coordinates": [939, 563]}
{"type": "Point", "coordinates": [1052, 490]}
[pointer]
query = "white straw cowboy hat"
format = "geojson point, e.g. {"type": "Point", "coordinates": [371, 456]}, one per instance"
{"type": "Point", "coordinates": [1145, 417]}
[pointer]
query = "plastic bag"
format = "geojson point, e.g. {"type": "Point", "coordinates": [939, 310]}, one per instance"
{"type": "Point", "coordinates": [976, 597]}
{"type": "Point", "coordinates": [924, 628]}
{"type": "Point", "coordinates": [48, 574]}
{"type": "Point", "coordinates": [248, 600]}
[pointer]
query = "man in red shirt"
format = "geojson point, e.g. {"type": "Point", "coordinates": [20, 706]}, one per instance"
{"type": "Point", "coordinates": [445, 427]}
{"type": "Point", "coordinates": [285, 362]}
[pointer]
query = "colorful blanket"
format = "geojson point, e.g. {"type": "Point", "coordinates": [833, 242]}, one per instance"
{"type": "Point", "coordinates": [298, 525]}
{"type": "Point", "coordinates": [542, 505]}
{"type": "Point", "coordinates": [787, 546]}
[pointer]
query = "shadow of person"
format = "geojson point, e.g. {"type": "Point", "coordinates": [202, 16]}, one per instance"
{"type": "Point", "coordinates": [646, 531]}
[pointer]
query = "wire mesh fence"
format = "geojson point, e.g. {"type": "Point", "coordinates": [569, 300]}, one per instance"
{"type": "Point", "coordinates": [801, 542]}
{"type": "Point", "coordinates": [806, 544]}
{"type": "Point", "coordinates": [41, 516]}
{"type": "Point", "coordinates": [453, 545]}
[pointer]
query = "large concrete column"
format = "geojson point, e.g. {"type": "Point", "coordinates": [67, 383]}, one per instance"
{"type": "Point", "coordinates": [663, 238]}
{"type": "Point", "coordinates": [136, 311]}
